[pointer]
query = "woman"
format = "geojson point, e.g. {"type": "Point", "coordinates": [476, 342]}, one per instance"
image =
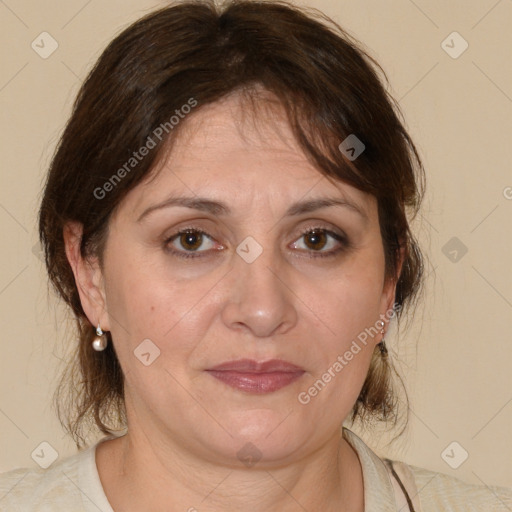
{"type": "Point", "coordinates": [226, 215]}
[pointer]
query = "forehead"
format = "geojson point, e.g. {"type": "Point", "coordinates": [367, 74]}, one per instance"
{"type": "Point", "coordinates": [234, 126]}
{"type": "Point", "coordinates": [233, 153]}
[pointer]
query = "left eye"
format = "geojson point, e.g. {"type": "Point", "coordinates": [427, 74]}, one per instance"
{"type": "Point", "coordinates": [317, 239]}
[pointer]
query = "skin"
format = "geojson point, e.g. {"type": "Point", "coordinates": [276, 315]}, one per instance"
{"type": "Point", "coordinates": [184, 426]}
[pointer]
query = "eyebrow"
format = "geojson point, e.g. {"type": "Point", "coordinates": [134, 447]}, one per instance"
{"type": "Point", "coordinates": [219, 208]}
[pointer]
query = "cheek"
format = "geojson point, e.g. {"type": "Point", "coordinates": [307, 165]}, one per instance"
{"type": "Point", "coordinates": [350, 300]}
{"type": "Point", "coordinates": [347, 310]}
{"type": "Point", "coordinates": [146, 302]}
{"type": "Point", "coordinates": [350, 309]}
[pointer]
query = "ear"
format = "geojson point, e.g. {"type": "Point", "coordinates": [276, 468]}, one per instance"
{"type": "Point", "coordinates": [389, 291]}
{"type": "Point", "coordinates": [88, 277]}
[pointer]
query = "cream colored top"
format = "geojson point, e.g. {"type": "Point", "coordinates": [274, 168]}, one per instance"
{"type": "Point", "coordinates": [73, 485]}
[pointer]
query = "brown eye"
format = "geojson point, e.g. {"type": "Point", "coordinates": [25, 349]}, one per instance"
{"type": "Point", "coordinates": [315, 239]}
{"type": "Point", "coordinates": [318, 239]}
{"type": "Point", "coordinates": [185, 243]}
{"type": "Point", "coordinates": [191, 240]}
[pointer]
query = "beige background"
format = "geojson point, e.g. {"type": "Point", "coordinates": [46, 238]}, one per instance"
{"type": "Point", "coordinates": [456, 358]}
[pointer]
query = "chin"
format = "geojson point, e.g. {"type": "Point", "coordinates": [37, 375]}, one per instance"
{"type": "Point", "coordinates": [258, 435]}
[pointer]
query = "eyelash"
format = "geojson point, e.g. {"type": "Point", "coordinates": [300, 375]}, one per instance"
{"type": "Point", "coordinates": [315, 254]}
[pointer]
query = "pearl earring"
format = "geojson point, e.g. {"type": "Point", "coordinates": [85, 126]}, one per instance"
{"type": "Point", "coordinates": [99, 343]}
{"type": "Point", "coordinates": [382, 344]}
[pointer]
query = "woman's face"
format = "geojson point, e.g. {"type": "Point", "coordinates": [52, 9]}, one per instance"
{"type": "Point", "coordinates": [252, 287]}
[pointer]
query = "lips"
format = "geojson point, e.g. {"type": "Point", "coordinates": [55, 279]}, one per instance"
{"type": "Point", "coordinates": [251, 366]}
{"type": "Point", "coordinates": [256, 377]}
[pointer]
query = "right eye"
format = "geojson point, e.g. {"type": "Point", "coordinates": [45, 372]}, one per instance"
{"type": "Point", "coordinates": [190, 240]}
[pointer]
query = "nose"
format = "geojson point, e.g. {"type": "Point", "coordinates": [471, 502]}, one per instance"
{"type": "Point", "coordinates": [258, 299]}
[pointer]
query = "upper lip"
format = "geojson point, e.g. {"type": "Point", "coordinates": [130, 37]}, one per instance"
{"type": "Point", "coordinates": [252, 366]}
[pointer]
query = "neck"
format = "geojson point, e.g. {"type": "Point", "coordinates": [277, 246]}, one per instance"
{"type": "Point", "coordinates": [143, 473]}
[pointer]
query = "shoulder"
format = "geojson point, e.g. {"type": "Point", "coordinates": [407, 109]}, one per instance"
{"type": "Point", "coordinates": [441, 492]}
{"type": "Point", "coordinates": [38, 489]}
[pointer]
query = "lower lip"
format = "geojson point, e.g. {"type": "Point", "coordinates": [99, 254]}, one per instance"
{"type": "Point", "coordinates": [256, 382]}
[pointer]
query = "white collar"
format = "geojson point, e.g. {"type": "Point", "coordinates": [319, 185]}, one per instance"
{"type": "Point", "coordinates": [378, 490]}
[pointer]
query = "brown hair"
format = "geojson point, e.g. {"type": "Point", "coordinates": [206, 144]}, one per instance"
{"type": "Point", "coordinates": [198, 52]}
